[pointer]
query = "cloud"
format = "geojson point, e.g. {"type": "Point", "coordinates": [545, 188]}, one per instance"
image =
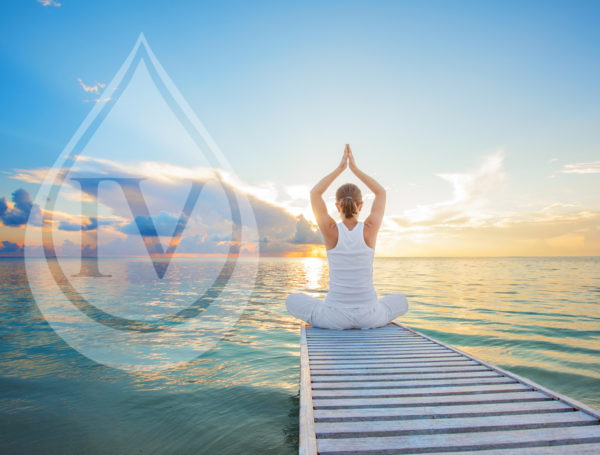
{"type": "Point", "coordinates": [306, 234]}
{"type": "Point", "coordinates": [99, 100]}
{"type": "Point", "coordinates": [11, 249]}
{"type": "Point", "coordinates": [70, 249]}
{"type": "Point", "coordinates": [280, 230]}
{"type": "Point", "coordinates": [49, 3]}
{"type": "Point", "coordinates": [163, 224]}
{"type": "Point", "coordinates": [467, 224]}
{"type": "Point", "coordinates": [592, 167]}
{"type": "Point", "coordinates": [21, 210]}
{"type": "Point", "coordinates": [71, 227]}
{"type": "Point", "coordinates": [470, 192]}
{"type": "Point", "coordinates": [91, 88]}
{"type": "Point", "coordinates": [94, 89]}
{"type": "Point", "coordinates": [209, 227]}
{"type": "Point", "coordinates": [30, 175]}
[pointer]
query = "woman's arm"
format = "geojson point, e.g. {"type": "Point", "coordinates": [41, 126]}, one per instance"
{"type": "Point", "coordinates": [327, 224]}
{"type": "Point", "coordinates": [375, 218]}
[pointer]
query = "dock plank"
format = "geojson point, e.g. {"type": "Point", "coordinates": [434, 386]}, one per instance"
{"type": "Point", "coordinates": [570, 449]}
{"type": "Point", "coordinates": [438, 390]}
{"type": "Point", "coordinates": [403, 376]}
{"type": "Point", "coordinates": [463, 441]}
{"type": "Point", "coordinates": [361, 355]}
{"type": "Point", "coordinates": [411, 383]}
{"type": "Point", "coordinates": [401, 370]}
{"type": "Point", "coordinates": [445, 425]}
{"type": "Point", "coordinates": [524, 395]}
{"type": "Point", "coordinates": [380, 364]}
{"type": "Point", "coordinates": [456, 410]}
{"type": "Point", "coordinates": [387, 361]}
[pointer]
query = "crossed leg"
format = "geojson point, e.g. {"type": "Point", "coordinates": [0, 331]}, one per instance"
{"type": "Point", "coordinates": [312, 311]}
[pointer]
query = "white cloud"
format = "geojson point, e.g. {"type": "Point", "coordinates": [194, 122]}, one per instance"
{"type": "Point", "coordinates": [592, 167]}
{"type": "Point", "coordinates": [91, 88]}
{"type": "Point", "coordinates": [470, 191]}
{"type": "Point", "coordinates": [30, 175]}
{"type": "Point", "coordinates": [98, 100]}
{"type": "Point", "coordinates": [49, 3]}
{"type": "Point", "coordinates": [293, 199]}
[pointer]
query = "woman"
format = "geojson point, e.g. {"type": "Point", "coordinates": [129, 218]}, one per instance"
{"type": "Point", "coordinates": [351, 302]}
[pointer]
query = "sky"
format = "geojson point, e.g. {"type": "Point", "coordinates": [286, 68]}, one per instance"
{"type": "Point", "coordinates": [480, 119]}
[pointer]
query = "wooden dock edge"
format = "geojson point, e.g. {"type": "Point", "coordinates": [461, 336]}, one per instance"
{"type": "Point", "coordinates": [568, 400]}
{"type": "Point", "coordinates": [308, 438]}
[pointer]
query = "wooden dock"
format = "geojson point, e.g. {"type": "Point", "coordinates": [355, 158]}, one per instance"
{"type": "Point", "coordinates": [394, 390]}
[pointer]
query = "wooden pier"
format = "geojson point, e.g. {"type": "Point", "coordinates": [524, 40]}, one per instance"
{"type": "Point", "coordinates": [394, 390]}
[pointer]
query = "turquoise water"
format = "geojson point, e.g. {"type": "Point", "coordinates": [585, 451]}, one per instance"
{"type": "Point", "coordinates": [538, 317]}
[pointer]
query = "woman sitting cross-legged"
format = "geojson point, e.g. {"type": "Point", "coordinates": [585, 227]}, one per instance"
{"type": "Point", "coordinates": [351, 302]}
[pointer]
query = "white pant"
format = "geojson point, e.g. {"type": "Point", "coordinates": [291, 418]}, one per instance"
{"type": "Point", "coordinates": [315, 312]}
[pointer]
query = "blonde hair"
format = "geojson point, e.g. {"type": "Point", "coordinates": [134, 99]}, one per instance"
{"type": "Point", "coordinates": [349, 197]}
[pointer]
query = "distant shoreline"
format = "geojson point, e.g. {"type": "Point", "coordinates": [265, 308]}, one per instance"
{"type": "Point", "coordinates": [319, 257]}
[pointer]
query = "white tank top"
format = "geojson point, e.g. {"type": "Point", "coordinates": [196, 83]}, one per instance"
{"type": "Point", "coordinates": [351, 270]}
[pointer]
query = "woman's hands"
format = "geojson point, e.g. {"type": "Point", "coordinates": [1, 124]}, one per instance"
{"type": "Point", "coordinates": [347, 160]}
{"type": "Point", "coordinates": [344, 163]}
{"type": "Point", "coordinates": [351, 162]}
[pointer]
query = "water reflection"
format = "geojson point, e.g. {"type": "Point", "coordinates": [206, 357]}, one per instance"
{"type": "Point", "coordinates": [315, 272]}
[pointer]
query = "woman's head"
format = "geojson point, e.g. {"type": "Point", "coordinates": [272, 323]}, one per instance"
{"type": "Point", "coordinates": [348, 200]}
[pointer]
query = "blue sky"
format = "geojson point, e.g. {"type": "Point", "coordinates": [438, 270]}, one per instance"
{"type": "Point", "coordinates": [419, 89]}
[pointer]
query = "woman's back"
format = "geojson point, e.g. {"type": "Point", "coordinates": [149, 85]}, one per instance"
{"type": "Point", "coordinates": [351, 269]}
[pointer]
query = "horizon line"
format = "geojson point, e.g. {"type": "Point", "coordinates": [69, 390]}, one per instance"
{"type": "Point", "coordinates": [311, 257]}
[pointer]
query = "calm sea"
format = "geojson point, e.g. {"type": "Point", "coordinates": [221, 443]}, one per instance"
{"type": "Point", "coordinates": [538, 317]}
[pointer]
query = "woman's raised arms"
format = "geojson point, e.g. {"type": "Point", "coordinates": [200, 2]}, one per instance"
{"type": "Point", "coordinates": [375, 218]}
{"type": "Point", "coordinates": [327, 225]}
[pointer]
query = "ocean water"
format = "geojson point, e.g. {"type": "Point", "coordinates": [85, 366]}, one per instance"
{"type": "Point", "coordinates": [538, 317]}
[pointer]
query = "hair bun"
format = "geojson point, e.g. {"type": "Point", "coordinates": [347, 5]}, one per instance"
{"type": "Point", "coordinates": [349, 197]}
